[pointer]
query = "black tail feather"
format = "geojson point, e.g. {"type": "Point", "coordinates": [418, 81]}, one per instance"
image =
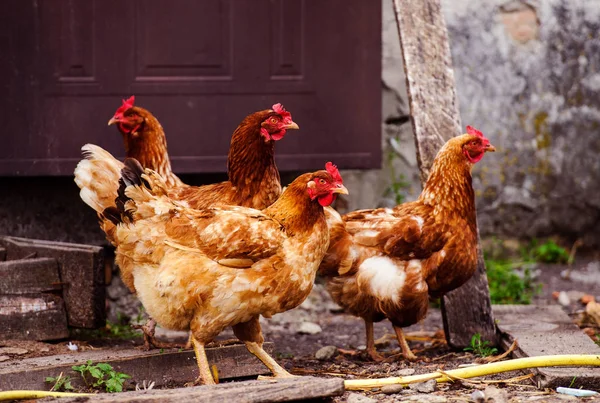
{"type": "Point", "coordinates": [113, 215]}
{"type": "Point", "coordinates": [131, 175]}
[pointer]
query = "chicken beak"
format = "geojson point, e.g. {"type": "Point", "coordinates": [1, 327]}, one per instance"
{"type": "Point", "coordinates": [341, 189]}
{"type": "Point", "coordinates": [490, 148]}
{"type": "Point", "coordinates": [292, 125]}
{"type": "Point", "coordinates": [112, 121]}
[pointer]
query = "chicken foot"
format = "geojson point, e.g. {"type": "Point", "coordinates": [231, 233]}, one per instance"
{"type": "Point", "coordinates": [150, 340]}
{"type": "Point", "coordinates": [371, 351]}
{"type": "Point", "coordinates": [277, 370]}
{"type": "Point", "coordinates": [251, 334]}
{"type": "Point", "coordinates": [406, 351]}
{"type": "Point", "coordinates": [206, 376]}
{"type": "Point", "coordinates": [375, 356]}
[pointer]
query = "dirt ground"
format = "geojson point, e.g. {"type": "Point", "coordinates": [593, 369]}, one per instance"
{"type": "Point", "coordinates": [318, 323]}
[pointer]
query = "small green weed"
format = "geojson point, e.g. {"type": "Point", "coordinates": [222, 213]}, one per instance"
{"type": "Point", "coordinates": [121, 329]}
{"type": "Point", "coordinates": [479, 347]}
{"type": "Point", "coordinates": [506, 286]}
{"type": "Point", "coordinates": [548, 252]}
{"type": "Point", "coordinates": [398, 187]}
{"type": "Point", "coordinates": [59, 383]}
{"type": "Point", "coordinates": [103, 376]}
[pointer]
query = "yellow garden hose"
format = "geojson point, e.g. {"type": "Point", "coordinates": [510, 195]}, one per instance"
{"type": "Point", "coordinates": [37, 394]}
{"type": "Point", "coordinates": [480, 370]}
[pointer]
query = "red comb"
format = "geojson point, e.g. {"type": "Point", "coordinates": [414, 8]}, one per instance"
{"type": "Point", "coordinates": [126, 105]}
{"type": "Point", "coordinates": [333, 171]}
{"type": "Point", "coordinates": [474, 131]}
{"type": "Point", "coordinates": [285, 115]}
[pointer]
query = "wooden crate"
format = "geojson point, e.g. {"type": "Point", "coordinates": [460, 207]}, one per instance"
{"type": "Point", "coordinates": [46, 286]}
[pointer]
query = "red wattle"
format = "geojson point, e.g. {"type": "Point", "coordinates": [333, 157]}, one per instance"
{"type": "Point", "coordinates": [474, 159]}
{"type": "Point", "coordinates": [278, 136]}
{"type": "Point", "coordinates": [327, 199]}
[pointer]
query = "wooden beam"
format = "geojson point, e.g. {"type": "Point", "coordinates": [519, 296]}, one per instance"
{"type": "Point", "coordinates": [30, 305]}
{"type": "Point", "coordinates": [167, 369]}
{"type": "Point", "coordinates": [435, 118]}
{"type": "Point", "coordinates": [81, 271]}
{"type": "Point", "coordinates": [547, 330]}
{"type": "Point", "coordinates": [27, 276]}
{"type": "Point", "coordinates": [33, 317]}
{"type": "Point", "coordinates": [280, 390]}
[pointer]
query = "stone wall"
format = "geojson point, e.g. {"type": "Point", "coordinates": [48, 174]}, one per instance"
{"type": "Point", "coordinates": [528, 76]}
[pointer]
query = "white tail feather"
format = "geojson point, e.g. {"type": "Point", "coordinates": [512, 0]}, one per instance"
{"type": "Point", "coordinates": [97, 175]}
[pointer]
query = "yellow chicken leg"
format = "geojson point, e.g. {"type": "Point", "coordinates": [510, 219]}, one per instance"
{"type": "Point", "coordinates": [406, 352]}
{"type": "Point", "coordinates": [251, 334]}
{"type": "Point", "coordinates": [205, 377]}
{"type": "Point", "coordinates": [277, 370]}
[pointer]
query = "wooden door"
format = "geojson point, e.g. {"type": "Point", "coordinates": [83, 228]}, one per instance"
{"type": "Point", "coordinates": [200, 67]}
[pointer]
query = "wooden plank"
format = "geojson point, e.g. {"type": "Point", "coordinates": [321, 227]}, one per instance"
{"type": "Point", "coordinates": [33, 317]}
{"type": "Point", "coordinates": [547, 330]}
{"type": "Point", "coordinates": [29, 276]}
{"type": "Point", "coordinates": [167, 369]}
{"type": "Point", "coordinates": [435, 118]}
{"type": "Point", "coordinates": [81, 271]}
{"type": "Point", "coordinates": [280, 390]}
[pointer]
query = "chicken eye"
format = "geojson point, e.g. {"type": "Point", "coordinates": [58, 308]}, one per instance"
{"type": "Point", "coordinates": [322, 181]}
{"type": "Point", "coordinates": [273, 120]}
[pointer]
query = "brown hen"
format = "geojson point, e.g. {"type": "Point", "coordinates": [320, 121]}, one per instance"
{"type": "Point", "coordinates": [208, 269]}
{"type": "Point", "coordinates": [385, 263]}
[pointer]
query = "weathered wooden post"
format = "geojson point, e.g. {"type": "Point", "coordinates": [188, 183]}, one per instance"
{"type": "Point", "coordinates": [435, 118]}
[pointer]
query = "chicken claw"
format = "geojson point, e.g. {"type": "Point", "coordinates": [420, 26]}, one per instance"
{"type": "Point", "coordinates": [375, 356]}
{"type": "Point", "coordinates": [277, 370]}
{"type": "Point", "coordinates": [406, 352]}
{"type": "Point", "coordinates": [206, 377]}
{"type": "Point", "coordinates": [150, 340]}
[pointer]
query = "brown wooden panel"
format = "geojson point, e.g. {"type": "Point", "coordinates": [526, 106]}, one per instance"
{"type": "Point", "coordinates": [68, 33]}
{"type": "Point", "coordinates": [191, 49]}
{"type": "Point", "coordinates": [76, 44]}
{"type": "Point", "coordinates": [200, 67]}
{"type": "Point", "coordinates": [287, 20]}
